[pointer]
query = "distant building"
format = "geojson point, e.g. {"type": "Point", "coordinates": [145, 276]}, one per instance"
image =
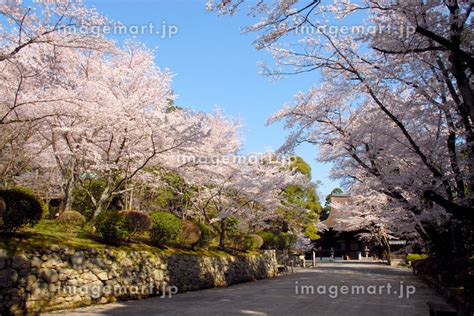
{"type": "Point", "coordinates": [343, 241]}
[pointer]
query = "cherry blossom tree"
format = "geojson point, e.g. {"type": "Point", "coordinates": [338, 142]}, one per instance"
{"type": "Point", "coordinates": [250, 189]}
{"type": "Point", "coordinates": [100, 111]}
{"type": "Point", "coordinates": [78, 108]}
{"type": "Point", "coordinates": [39, 42]}
{"type": "Point", "coordinates": [217, 139]}
{"type": "Point", "coordinates": [377, 218]}
{"type": "Point", "coordinates": [394, 104]}
{"type": "Point", "coordinates": [14, 157]}
{"type": "Point", "coordinates": [124, 123]}
{"type": "Point", "coordinates": [303, 243]}
{"type": "Point", "coordinates": [52, 23]}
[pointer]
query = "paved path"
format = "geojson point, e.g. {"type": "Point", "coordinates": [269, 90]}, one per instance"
{"type": "Point", "coordinates": [291, 295]}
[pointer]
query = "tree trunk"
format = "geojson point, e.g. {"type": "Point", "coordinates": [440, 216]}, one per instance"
{"type": "Point", "coordinates": [386, 249]}
{"type": "Point", "coordinates": [222, 235]}
{"type": "Point", "coordinates": [68, 197]}
{"type": "Point", "coordinates": [100, 206]}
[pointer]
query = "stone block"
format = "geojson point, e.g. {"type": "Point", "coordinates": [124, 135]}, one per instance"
{"type": "Point", "coordinates": [20, 262]}
{"type": "Point", "coordinates": [158, 275]}
{"type": "Point", "coordinates": [30, 279]}
{"type": "Point", "coordinates": [88, 277]}
{"type": "Point", "coordinates": [8, 277]}
{"type": "Point", "coordinates": [3, 263]}
{"type": "Point", "coordinates": [103, 276]}
{"type": "Point", "coordinates": [49, 275]}
{"type": "Point", "coordinates": [36, 262]}
{"type": "Point", "coordinates": [78, 259]}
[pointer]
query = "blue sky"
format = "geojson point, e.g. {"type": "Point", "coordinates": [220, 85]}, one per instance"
{"type": "Point", "coordinates": [215, 64]}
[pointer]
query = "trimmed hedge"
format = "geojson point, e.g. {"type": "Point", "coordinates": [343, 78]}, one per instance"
{"type": "Point", "coordinates": [414, 256]}
{"type": "Point", "coordinates": [111, 226]}
{"type": "Point", "coordinates": [22, 208]}
{"type": "Point", "coordinates": [71, 219]}
{"type": "Point", "coordinates": [278, 240]}
{"type": "Point", "coordinates": [165, 228]}
{"type": "Point", "coordinates": [270, 241]}
{"type": "Point", "coordinates": [190, 233]}
{"type": "Point", "coordinates": [247, 242]}
{"type": "Point", "coordinates": [258, 241]}
{"type": "Point", "coordinates": [136, 222]}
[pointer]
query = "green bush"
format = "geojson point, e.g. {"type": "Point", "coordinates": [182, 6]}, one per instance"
{"type": "Point", "coordinates": [278, 240]}
{"type": "Point", "coordinates": [111, 226]}
{"type": "Point", "coordinates": [247, 242]}
{"type": "Point", "coordinates": [28, 191]}
{"type": "Point", "coordinates": [258, 241]}
{"type": "Point", "coordinates": [286, 241]}
{"type": "Point", "coordinates": [22, 208]}
{"type": "Point", "coordinates": [190, 233]}
{"type": "Point", "coordinates": [270, 241]}
{"type": "Point", "coordinates": [165, 228]}
{"type": "Point", "coordinates": [236, 241]}
{"type": "Point", "coordinates": [414, 256]}
{"type": "Point", "coordinates": [205, 237]}
{"type": "Point", "coordinates": [71, 219]}
{"type": "Point", "coordinates": [136, 222]}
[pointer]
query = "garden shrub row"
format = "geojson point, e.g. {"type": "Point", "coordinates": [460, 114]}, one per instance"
{"type": "Point", "coordinates": [163, 228]}
{"type": "Point", "coordinates": [277, 240]}
{"type": "Point", "coordinates": [20, 207]}
{"type": "Point", "coordinates": [246, 242]}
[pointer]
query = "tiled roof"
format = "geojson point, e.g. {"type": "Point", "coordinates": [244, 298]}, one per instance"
{"type": "Point", "coordinates": [330, 222]}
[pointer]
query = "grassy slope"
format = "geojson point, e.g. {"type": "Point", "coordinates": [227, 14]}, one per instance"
{"type": "Point", "coordinates": [48, 233]}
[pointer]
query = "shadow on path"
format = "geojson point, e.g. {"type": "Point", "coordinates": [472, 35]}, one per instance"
{"type": "Point", "coordinates": [285, 296]}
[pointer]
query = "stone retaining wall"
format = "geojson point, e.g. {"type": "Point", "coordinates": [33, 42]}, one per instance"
{"type": "Point", "coordinates": [62, 278]}
{"type": "Point", "coordinates": [463, 307]}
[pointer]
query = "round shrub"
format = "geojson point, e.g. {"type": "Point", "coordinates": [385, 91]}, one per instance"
{"type": "Point", "coordinates": [28, 191]}
{"type": "Point", "coordinates": [246, 242]}
{"type": "Point", "coordinates": [22, 208]}
{"type": "Point", "coordinates": [258, 241]}
{"type": "Point", "coordinates": [205, 237]}
{"type": "Point", "coordinates": [414, 256]}
{"type": "Point", "coordinates": [71, 219]}
{"type": "Point", "coordinates": [111, 226]}
{"type": "Point", "coordinates": [136, 222]}
{"type": "Point", "coordinates": [190, 233]}
{"type": "Point", "coordinates": [270, 241]}
{"type": "Point", "coordinates": [165, 228]}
